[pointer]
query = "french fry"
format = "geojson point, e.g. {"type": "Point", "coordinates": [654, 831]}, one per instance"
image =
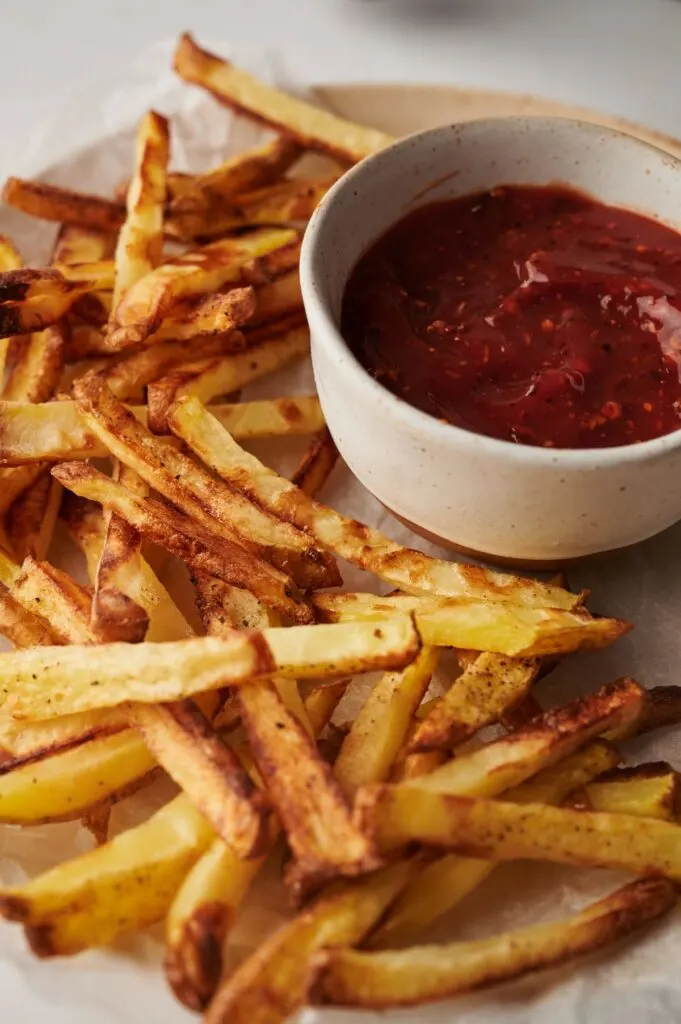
{"type": "Point", "coordinates": [209, 315]}
{"type": "Point", "coordinates": [140, 242]}
{"type": "Point", "coordinates": [367, 548]}
{"type": "Point", "coordinates": [224, 374]}
{"type": "Point", "coordinates": [63, 602]}
{"type": "Point", "coordinates": [448, 879]}
{"type": "Point", "coordinates": [196, 492]}
{"type": "Point", "coordinates": [503, 628]}
{"type": "Point", "coordinates": [79, 678]}
{"type": "Point", "coordinates": [496, 767]}
{"type": "Point", "coordinates": [427, 973]}
{"type": "Point", "coordinates": [22, 628]}
{"type": "Point", "coordinates": [139, 315]}
{"type": "Point", "coordinates": [65, 785]}
{"type": "Point", "coordinates": [31, 300]}
{"type": "Point", "coordinates": [124, 885]}
{"type": "Point", "coordinates": [32, 517]}
{"type": "Point", "coordinates": [36, 375]}
{"type": "Point", "coordinates": [662, 708]}
{"type": "Point", "coordinates": [648, 791]}
{"type": "Point", "coordinates": [77, 245]}
{"type": "Point", "coordinates": [479, 697]}
{"type": "Point", "coordinates": [252, 169]}
{"type": "Point", "coordinates": [317, 463]}
{"type": "Point", "coordinates": [274, 981]}
{"type": "Point", "coordinates": [21, 744]}
{"type": "Point", "coordinates": [379, 730]}
{"type": "Point", "coordinates": [501, 830]}
{"type": "Point", "coordinates": [311, 127]}
{"type": "Point", "coordinates": [49, 202]}
{"type": "Point", "coordinates": [285, 202]}
{"type": "Point", "coordinates": [207, 770]}
{"type": "Point", "coordinates": [309, 802]}
{"type": "Point", "coordinates": [115, 614]}
{"type": "Point", "coordinates": [201, 549]}
{"type": "Point", "coordinates": [15, 481]}
{"type": "Point", "coordinates": [280, 298]}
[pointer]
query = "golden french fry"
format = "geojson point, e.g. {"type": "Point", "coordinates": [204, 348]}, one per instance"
{"type": "Point", "coordinates": [76, 245]}
{"type": "Point", "coordinates": [317, 463]}
{"type": "Point", "coordinates": [191, 488]}
{"type": "Point", "coordinates": [367, 548]}
{"type": "Point", "coordinates": [202, 550]}
{"type": "Point", "coordinates": [285, 202]}
{"type": "Point", "coordinates": [309, 802]}
{"type": "Point", "coordinates": [648, 791]}
{"type": "Point", "coordinates": [308, 125]}
{"type": "Point", "coordinates": [64, 785]}
{"type": "Point", "coordinates": [274, 981]}
{"type": "Point", "coordinates": [124, 885]}
{"type": "Point", "coordinates": [49, 202]}
{"type": "Point", "coordinates": [224, 374]}
{"type": "Point", "coordinates": [503, 628]}
{"type": "Point", "coordinates": [479, 697]}
{"type": "Point", "coordinates": [278, 299]}
{"type": "Point", "coordinates": [139, 315]}
{"type": "Point", "coordinates": [80, 678]}
{"type": "Point", "coordinates": [23, 628]}
{"type": "Point", "coordinates": [140, 242]}
{"type": "Point", "coordinates": [427, 973]}
{"type": "Point", "coordinates": [32, 517]}
{"type": "Point", "coordinates": [379, 730]}
{"type": "Point", "coordinates": [41, 587]}
{"type": "Point", "coordinates": [209, 315]}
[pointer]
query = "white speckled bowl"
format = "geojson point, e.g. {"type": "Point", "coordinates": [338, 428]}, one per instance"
{"type": "Point", "coordinates": [509, 502]}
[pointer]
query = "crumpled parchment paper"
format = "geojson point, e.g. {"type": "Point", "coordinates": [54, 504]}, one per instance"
{"type": "Point", "coordinates": [90, 147]}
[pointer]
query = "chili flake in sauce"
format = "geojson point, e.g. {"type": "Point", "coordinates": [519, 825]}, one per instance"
{"type": "Point", "coordinates": [531, 314]}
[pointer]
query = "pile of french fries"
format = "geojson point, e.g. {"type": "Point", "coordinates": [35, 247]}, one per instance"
{"type": "Point", "coordinates": [120, 418]}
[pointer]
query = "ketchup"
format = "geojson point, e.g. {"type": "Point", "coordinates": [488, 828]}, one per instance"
{"type": "Point", "coordinates": [531, 314]}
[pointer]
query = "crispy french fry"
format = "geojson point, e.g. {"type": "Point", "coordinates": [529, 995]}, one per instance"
{"type": "Point", "coordinates": [378, 732]}
{"type": "Point", "coordinates": [140, 242]}
{"type": "Point", "coordinates": [367, 548]}
{"type": "Point", "coordinates": [196, 492]}
{"type": "Point", "coordinates": [124, 885]}
{"type": "Point", "coordinates": [274, 981]}
{"type": "Point", "coordinates": [648, 791]}
{"type": "Point", "coordinates": [280, 298]}
{"type": "Point", "coordinates": [479, 697]}
{"type": "Point", "coordinates": [64, 785]}
{"type": "Point", "coordinates": [308, 125]}
{"type": "Point", "coordinates": [311, 807]}
{"type": "Point", "coordinates": [37, 374]}
{"type": "Point", "coordinates": [501, 830]}
{"type": "Point", "coordinates": [481, 626]}
{"type": "Point", "coordinates": [202, 550]}
{"type": "Point", "coordinates": [32, 517]}
{"type": "Point", "coordinates": [443, 883]}
{"type": "Point", "coordinates": [23, 628]}
{"type": "Point", "coordinates": [76, 245]}
{"type": "Point", "coordinates": [252, 169]}
{"type": "Point", "coordinates": [21, 744]}
{"type": "Point", "coordinates": [204, 271]}
{"type": "Point", "coordinates": [427, 973]}
{"type": "Point", "coordinates": [662, 708]}
{"type": "Point", "coordinates": [31, 300]}
{"type": "Point", "coordinates": [209, 772]}
{"type": "Point", "coordinates": [285, 202]}
{"type": "Point", "coordinates": [317, 463]}
{"type": "Point", "coordinates": [49, 202]}
{"type": "Point", "coordinates": [224, 374]}
{"type": "Point", "coordinates": [58, 598]}
{"type": "Point", "coordinates": [79, 678]}
{"type": "Point", "coordinates": [209, 315]}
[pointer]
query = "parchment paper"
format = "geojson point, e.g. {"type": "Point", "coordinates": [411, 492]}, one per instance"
{"type": "Point", "coordinates": [90, 147]}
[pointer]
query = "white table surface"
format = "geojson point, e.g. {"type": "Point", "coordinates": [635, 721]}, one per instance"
{"type": "Point", "coordinates": [622, 56]}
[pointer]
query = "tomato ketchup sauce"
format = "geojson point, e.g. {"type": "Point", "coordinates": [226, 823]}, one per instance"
{"type": "Point", "coordinates": [532, 314]}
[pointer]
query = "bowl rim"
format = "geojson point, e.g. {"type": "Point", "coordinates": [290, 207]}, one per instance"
{"type": "Point", "coordinates": [325, 328]}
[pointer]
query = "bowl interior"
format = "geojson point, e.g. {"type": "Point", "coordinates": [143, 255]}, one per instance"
{"type": "Point", "coordinates": [456, 160]}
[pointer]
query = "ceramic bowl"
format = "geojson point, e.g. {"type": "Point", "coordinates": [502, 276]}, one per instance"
{"type": "Point", "coordinates": [512, 503]}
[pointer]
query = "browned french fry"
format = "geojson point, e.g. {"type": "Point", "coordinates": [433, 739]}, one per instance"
{"type": "Point", "coordinates": [317, 463]}
{"type": "Point", "coordinates": [224, 374]}
{"type": "Point", "coordinates": [212, 314]}
{"type": "Point", "coordinates": [209, 772]}
{"type": "Point", "coordinates": [285, 202]}
{"type": "Point", "coordinates": [76, 245]}
{"type": "Point", "coordinates": [49, 202]}
{"type": "Point", "coordinates": [36, 375]}
{"type": "Point", "coordinates": [308, 125]}
{"type": "Point", "coordinates": [139, 315]}
{"type": "Point", "coordinates": [214, 505]}
{"type": "Point", "coordinates": [32, 517]}
{"type": "Point", "coordinates": [23, 628]}
{"type": "Point", "coordinates": [309, 802]}
{"type": "Point", "coordinates": [46, 682]}
{"type": "Point", "coordinates": [202, 550]}
{"type": "Point", "coordinates": [647, 790]}
{"type": "Point", "coordinates": [426, 973]}
{"type": "Point", "coordinates": [63, 602]}
{"type": "Point", "coordinates": [140, 242]}
{"type": "Point", "coordinates": [280, 298]}
{"type": "Point", "coordinates": [275, 980]}
{"type": "Point", "coordinates": [367, 548]}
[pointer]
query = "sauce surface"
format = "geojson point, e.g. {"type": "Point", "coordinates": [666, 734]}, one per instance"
{"type": "Point", "coordinates": [531, 314]}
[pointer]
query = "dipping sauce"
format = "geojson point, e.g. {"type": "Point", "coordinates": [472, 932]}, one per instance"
{"type": "Point", "coordinates": [531, 314]}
